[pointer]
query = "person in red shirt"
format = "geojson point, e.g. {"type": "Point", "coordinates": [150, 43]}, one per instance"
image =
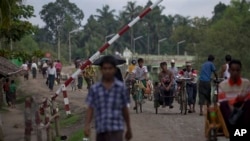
{"type": "Point", "coordinates": [234, 101]}
{"type": "Point", "coordinates": [6, 89]}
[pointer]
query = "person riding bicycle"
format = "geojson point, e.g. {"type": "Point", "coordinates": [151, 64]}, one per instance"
{"type": "Point", "coordinates": [130, 69]}
{"type": "Point", "coordinates": [234, 101]}
{"type": "Point", "coordinates": [225, 68]}
{"type": "Point", "coordinates": [140, 73]}
{"type": "Point", "coordinates": [191, 85]}
{"type": "Point", "coordinates": [129, 75]}
{"type": "Point", "coordinates": [166, 79]}
{"type": "Point", "coordinates": [89, 74]}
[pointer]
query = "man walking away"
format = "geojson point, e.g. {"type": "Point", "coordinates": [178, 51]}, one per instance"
{"type": "Point", "coordinates": [34, 69]}
{"type": "Point", "coordinates": [108, 101]}
{"type": "Point", "coordinates": [207, 69]}
{"type": "Point", "coordinates": [51, 76]}
{"type": "Point", "coordinates": [80, 81]}
{"type": "Point", "coordinates": [225, 68]}
{"type": "Point", "coordinates": [44, 68]}
{"type": "Point", "coordinates": [26, 70]}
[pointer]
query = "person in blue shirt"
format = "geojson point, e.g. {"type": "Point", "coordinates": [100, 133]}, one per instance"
{"type": "Point", "coordinates": [207, 69]}
{"type": "Point", "coordinates": [108, 101]}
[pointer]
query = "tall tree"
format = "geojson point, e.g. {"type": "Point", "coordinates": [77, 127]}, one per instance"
{"type": "Point", "coordinates": [61, 17]}
{"type": "Point", "coordinates": [14, 24]}
{"type": "Point", "coordinates": [218, 11]}
{"type": "Point", "coordinates": [131, 10]}
{"type": "Point", "coordinates": [5, 11]}
{"type": "Point", "coordinates": [106, 19]}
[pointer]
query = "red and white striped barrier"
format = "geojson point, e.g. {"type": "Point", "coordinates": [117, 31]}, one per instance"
{"type": "Point", "coordinates": [66, 100]}
{"type": "Point", "coordinates": [102, 49]}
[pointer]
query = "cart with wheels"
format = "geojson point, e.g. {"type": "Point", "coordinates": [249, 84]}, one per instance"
{"type": "Point", "coordinates": [214, 122]}
{"type": "Point", "coordinates": [159, 98]}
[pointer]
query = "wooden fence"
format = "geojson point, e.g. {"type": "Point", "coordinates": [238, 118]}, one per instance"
{"type": "Point", "coordinates": [38, 117]}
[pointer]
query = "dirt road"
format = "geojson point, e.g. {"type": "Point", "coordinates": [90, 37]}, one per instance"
{"type": "Point", "coordinates": [168, 125]}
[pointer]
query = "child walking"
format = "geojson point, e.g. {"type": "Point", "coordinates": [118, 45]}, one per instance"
{"type": "Point", "coordinates": [13, 94]}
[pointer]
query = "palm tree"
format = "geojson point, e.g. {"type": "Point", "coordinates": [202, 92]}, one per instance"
{"type": "Point", "coordinates": [131, 11]}
{"type": "Point", "coordinates": [105, 17]}
{"type": "Point", "coordinates": [5, 11]}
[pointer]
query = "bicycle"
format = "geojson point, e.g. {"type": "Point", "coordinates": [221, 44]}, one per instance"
{"type": "Point", "coordinates": [149, 90]}
{"type": "Point", "coordinates": [138, 96]}
{"type": "Point", "coordinates": [182, 95]}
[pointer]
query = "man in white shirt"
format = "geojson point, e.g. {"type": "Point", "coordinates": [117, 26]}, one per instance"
{"type": "Point", "coordinates": [26, 71]}
{"type": "Point", "coordinates": [34, 69]}
{"type": "Point", "coordinates": [51, 71]}
{"type": "Point", "coordinates": [174, 70]}
{"type": "Point", "coordinates": [225, 68]}
{"type": "Point", "coordinates": [141, 73]}
{"type": "Point", "coordinates": [44, 68]}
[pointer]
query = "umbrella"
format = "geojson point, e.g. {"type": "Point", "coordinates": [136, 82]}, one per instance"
{"type": "Point", "coordinates": [119, 60]}
{"type": "Point", "coordinates": [45, 59]}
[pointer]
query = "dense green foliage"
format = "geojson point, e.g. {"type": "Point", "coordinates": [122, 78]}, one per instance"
{"type": "Point", "coordinates": [13, 20]}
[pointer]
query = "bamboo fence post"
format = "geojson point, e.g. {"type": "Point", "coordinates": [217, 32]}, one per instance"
{"type": "Point", "coordinates": [47, 113]}
{"type": "Point", "coordinates": [38, 123]}
{"type": "Point", "coordinates": [57, 124]}
{"type": "Point", "coordinates": [28, 119]}
{"type": "Point", "coordinates": [1, 129]}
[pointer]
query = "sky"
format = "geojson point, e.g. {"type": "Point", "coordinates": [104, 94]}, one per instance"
{"type": "Point", "coordinates": [190, 8]}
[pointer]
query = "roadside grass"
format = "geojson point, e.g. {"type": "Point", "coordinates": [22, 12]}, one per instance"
{"type": "Point", "coordinates": [69, 120]}
{"type": "Point", "coordinates": [4, 109]}
{"type": "Point", "coordinates": [76, 136]}
{"type": "Point", "coordinates": [21, 98]}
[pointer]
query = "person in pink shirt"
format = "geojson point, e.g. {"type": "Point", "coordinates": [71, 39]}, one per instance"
{"type": "Point", "coordinates": [58, 67]}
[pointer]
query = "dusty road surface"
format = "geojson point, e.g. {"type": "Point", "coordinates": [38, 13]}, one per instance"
{"type": "Point", "coordinates": [168, 125]}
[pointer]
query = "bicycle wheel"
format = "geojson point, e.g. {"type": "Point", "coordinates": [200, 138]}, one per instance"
{"type": "Point", "coordinates": [212, 135]}
{"type": "Point", "coordinates": [181, 101]}
{"type": "Point", "coordinates": [137, 102]}
{"type": "Point", "coordinates": [140, 100]}
{"type": "Point", "coordinates": [185, 103]}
